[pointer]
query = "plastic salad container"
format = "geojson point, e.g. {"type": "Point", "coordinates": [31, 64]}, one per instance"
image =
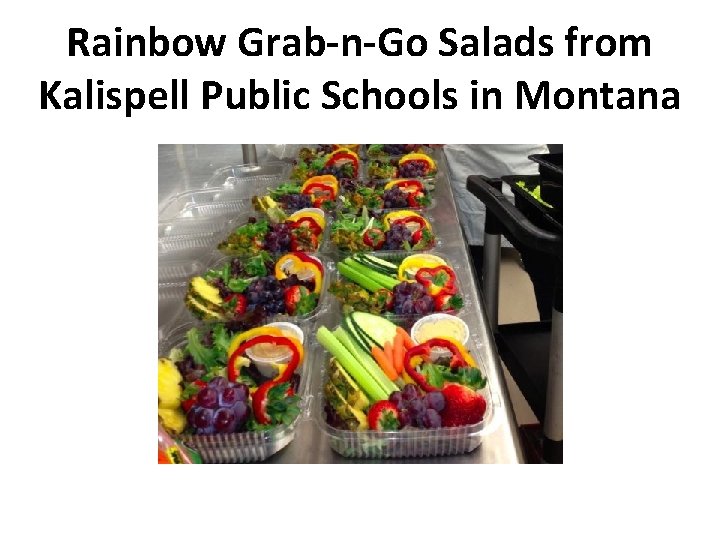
{"type": "Point", "coordinates": [359, 244]}
{"type": "Point", "coordinates": [201, 203]}
{"type": "Point", "coordinates": [251, 446]}
{"type": "Point", "coordinates": [401, 193]}
{"type": "Point", "coordinates": [454, 302]}
{"type": "Point", "coordinates": [232, 244]}
{"type": "Point", "coordinates": [392, 167]}
{"type": "Point", "coordinates": [196, 297]}
{"type": "Point", "coordinates": [408, 442]}
{"type": "Point", "coordinates": [251, 178]}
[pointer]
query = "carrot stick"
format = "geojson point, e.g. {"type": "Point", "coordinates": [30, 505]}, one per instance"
{"type": "Point", "coordinates": [390, 354]}
{"type": "Point", "coordinates": [384, 363]}
{"type": "Point", "coordinates": [399, 351]}
{"type": "Point", "coordinates": [407, 341]}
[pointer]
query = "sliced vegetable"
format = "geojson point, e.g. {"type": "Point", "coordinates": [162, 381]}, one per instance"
{"type": "Point", "coordinates": [384, 362]}
{"type": "Point", "coordinates": [356, 276]}
{"type": "Point", "coordinates": [274, 402]}
{"type": "Point", "coordinates": [351, 364]}
{"type": "Point", "coordinates": [398, 352]}
{"type": "Point", "coordinates": [379, 328]}
{"type": "Point", "coordinates": [437, 280]}
{"type": "Point", "coordinates": [290, 343]}
{"type": "Point", "coordinates": [367, 361]}
{"type": "Point", "coordinates": [301, 265]}
{"type": "Point", "coordinates": [386, 281]}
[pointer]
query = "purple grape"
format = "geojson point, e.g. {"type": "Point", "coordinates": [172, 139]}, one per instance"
{"type": "Point", "coordinates": [396, 398]}
{"type": "Point", "coordinates": [208, 398]}
{"type": "Point", "coordinates": [435, 401]}
{"type": "Point", "coordinates": [410, 392]}
{"type": "Point", "coordinates": [424, 305]}
{"type": "Point", "coordinates": [225, 421]}
{"type": "Point", "coordinates": [228, 397]}
{"type": "Point", "coordinates": [242, 392]}
{"type": "Point", "coordinates": [293, 202]}
{"type": "Point", "coordinates": [431, 419]}
{"type": "Point", "coordinates": [416, 407]}
{"type": "Point", "coordinates": [219, 383]}
{"type": "Point", "coordinates": [202, 418]}
{"type": "Point", "coordinates": [405, 418]}
{"type": "Point", "coordinates": [241, 412]}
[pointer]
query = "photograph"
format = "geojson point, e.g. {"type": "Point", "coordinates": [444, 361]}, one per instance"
{"type": "Point", "coordinates": [356, 303]}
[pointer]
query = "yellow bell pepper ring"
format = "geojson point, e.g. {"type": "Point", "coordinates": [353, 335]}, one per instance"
{"type": "Point", "coordinates": [419, 157]}
{"type": "Point", "coordinates": [294, 264]}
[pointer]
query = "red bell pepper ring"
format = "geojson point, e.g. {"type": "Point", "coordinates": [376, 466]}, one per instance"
{"type": "Point", "coordinates": [260, 398]}
{"type": "Point", "coordinates": [319, 189]}
{"type": "Point", "coordinates": [438, 280]}
{"type": "Point", "coordinates": [307, 222]}
{"type": "Point", "coordinates": [304, 257]}
{"type": "Point", "coordinates": [423, 350]}
{"type": "Point", "coordinates": [340, 155]}
{"type": "Point", "coordinates": [412, 219]}
{"type": "Point", "coordinates": [375, 238]}
{"type": "Point", "coordinates": [416, 185]}
{"type": "Point", "coordinates": [274, 340]}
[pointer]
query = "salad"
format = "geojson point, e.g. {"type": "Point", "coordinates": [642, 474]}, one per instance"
{"type": "Point", "coordinates": [301, 231]}
{"type": "Point", "coordinates": [341, 163]}
{"type": "Point", "coordinates": [387, 150]}
{"type": "Point", "coordinates": [397, 230]}
{"type": "Point", "coordinates": [419, 284]}
{"type": "Point", "coordinates": [218, 382]}
{"type": "Point", "coordinates": [315, 192]}
{"type": "Point", "coordinates": [379, 379]}
{"type": "Point", "coordinates": [258, 285]}
{"type": "Point", "coordinates": [414, 165]}
{"type": "Point", "coordinates": [403, 193]}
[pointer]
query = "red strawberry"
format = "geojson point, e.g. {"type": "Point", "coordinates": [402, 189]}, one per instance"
{"type": "Point", "coordinates": [463, 406]}
{"type": "Point", "coordinates": [448, 302]}
{"type": "Point", "coordinates": [384, 416]}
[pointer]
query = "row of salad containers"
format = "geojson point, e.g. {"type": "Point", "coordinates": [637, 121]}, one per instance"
{"type": "Point", "coordinates": [248, 283]}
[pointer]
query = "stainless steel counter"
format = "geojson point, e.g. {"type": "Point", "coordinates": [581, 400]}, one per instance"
{"type": "Point", "coordinates": [188, 166]}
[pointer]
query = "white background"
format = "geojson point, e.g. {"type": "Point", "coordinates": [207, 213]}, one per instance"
{"type": "Point", "coordinates": [641, 293]}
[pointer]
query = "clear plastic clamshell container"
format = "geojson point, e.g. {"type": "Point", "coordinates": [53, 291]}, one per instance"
{"type": "Point", "coordinates": [373, 174]}
{"type": "Point", "coordinates": [388, 151]}
{"type": "Point", "coordinates": [173, 275]}
{"type": "Point", "coordinates": [242, 219]}
{"type": "Point", "coordinates": [248, 446]}
{"type": "Point", "coordinates": [408, 442]}
{"type": "Point", "coordinates": [396, 257]}
{"type": "Point", "coordinates": [250, 177]}
{"type": "Point", "coordinates": [201, 203]}
{"type": "Point", "coordinates": [329, 247]}
{"type": "Point", "coordinates": [347, 206]}
{"type": "Point", "coordinates": [217, 261]}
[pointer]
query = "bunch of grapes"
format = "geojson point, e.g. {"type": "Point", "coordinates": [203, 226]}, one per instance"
{"type": "Point", "coordinates": [397, 236]}
{"type": "Point", "coordinates": [221, 407]}
{"type": "Point", "coordinates": [278, 238]}
{"type": "Point", "coordinates": [411, 298]}
{"type": "Point", "coordinates": [411, 169]}
{"type": "Point", "coordinates": [418, 410]}
{"type": "Point", "coordinates": [189, 369]}
{"type": "Point", "coordinates": [295, 201]}
{"type": "Point", "coordinates": [395, 198]}
{"type": "Point", "coordinates": [267, 292]}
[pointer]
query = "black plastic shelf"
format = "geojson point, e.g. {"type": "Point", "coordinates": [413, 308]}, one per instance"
{"type": "Point", "coordinates": [525, 351]}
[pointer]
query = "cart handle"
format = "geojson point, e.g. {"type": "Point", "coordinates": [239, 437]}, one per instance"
{"type": "Point", "coordinates": [514, 221]}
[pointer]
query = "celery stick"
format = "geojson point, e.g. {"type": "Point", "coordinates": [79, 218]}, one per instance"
{"type": "Point", "coordinates": [369, 364]}
{"type": "Point", "coordinates": [386, 281]}
{"type": "Point", "coordinates": [351, 364]}
{"type": "Point", "coordinates": [355, 276]}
